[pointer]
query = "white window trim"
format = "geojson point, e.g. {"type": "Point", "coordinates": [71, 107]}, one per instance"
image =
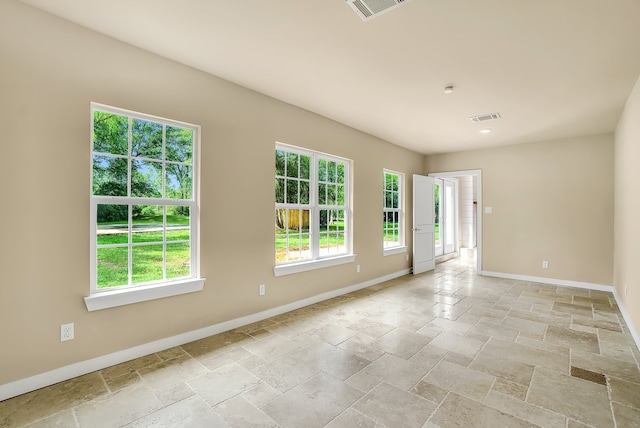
{"type": "Point", "coordinates": [124, 295]}
{"type": "Point", "coordinates": [400, 247]}
{"type": "Point", "coordinates": [291, 267]}
{"type": "Point", "coordinates": [390, 251]}
{"type": "Point", "coordinates": [120, 297]}
{"type": "Point", "coordinates": [307, 265]}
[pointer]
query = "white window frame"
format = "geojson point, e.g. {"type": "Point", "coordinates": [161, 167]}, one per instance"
{"type": "Point", "coordinates": [316, 260]}
{"type": "Point", "coordinates": [128, 294]}
{"type": "Point", "coordinates": [399, 247]}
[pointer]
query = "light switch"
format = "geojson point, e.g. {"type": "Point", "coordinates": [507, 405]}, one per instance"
{"type": "Point", "coordinates": [488, 210]}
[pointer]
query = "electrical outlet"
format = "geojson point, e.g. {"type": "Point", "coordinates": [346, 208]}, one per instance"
{"type": "Point", "coordinates": [261, 289]}
{"type": "Point", "coordinates": [625, 290]}
{"type": "Point", "coordinates": [358, 268]}
{"type": "Point", "coordinates": [407, 257]}
{"type": "Point", "coordinates": [66, 332]}
{"type": "Point", "coordinates": [545, 264]}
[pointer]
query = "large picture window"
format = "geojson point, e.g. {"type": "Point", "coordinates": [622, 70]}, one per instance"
{"type": "Point", "coordinates": [311, 206]}
{"type": "Point", "coordinates": [143, 205]}
{"type": "Point", "coordinates": [392, 210]}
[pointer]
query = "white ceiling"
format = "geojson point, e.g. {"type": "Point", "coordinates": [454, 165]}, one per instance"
{"type": "Point", "coordinates": [551, 68]}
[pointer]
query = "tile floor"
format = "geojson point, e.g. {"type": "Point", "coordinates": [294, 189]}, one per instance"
{"type": "Point", "coordinates": [446, 348]}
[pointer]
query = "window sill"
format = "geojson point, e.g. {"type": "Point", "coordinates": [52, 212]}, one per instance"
{"type": "Point", "coordinates": [394, 250]}
{"type": "Point", "coordinates": [315, 264]}
{"type": "Point", "coordinates": [114, 298]}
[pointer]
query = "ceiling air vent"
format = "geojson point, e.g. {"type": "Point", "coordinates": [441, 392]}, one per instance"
{"type": "Point", "coordinates": [367, 9]}
{"type": "Point", "coordinates": [483, 117]}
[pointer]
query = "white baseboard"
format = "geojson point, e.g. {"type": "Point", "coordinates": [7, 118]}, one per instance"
{"type": "Point", "coordinates": [32, 383]}
{"type": "Point", "coordinates": [577, 284]}
{"type": "Point", "coordinates": [627, 318]}
{"type": "Point", "coordinates": [543, 280]}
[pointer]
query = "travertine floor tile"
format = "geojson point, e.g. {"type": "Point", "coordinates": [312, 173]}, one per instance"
{"type": "Point", "coordinates": [583, 310]}
{"type": "Point", "coordinates": [525, 411]}
{"type": "Point", "coordinates": [284, 373]}
{"type": "Point", "coordinates": [334, 334]}
{"type": "Point", "coordinates": [260, 394]}
{"type": "Point", "coordinates": [429, 391]}
{"type": "Point", "coordinates": [579, 399]}
{"type": "Point", "coordinates": [605, 365]}
{"type": "Point", "coordinates": [494, 330]}
{"type": "Point", "coordinates": [119, 408]}
{"type": "Point", "coordinates": [330, 359]}
{"type": "Point", "coordinates": [511, 389]}
{"type": "Point", "coordinates": [371, 328]}
{"type": "Point", "coordinates": [428, 356]}
{"type": "Point", "coordinates": [504, 368]}
{"type": "Point", "coordinates": [192, 412]}
{"type": "Point", "coordinates": [314, 403]}
{"type": "Point", "coordinates": [206, 347]}
{"type": "Point", "coordinates": [363, 382]}
{"type": "Point", "coordinates": [351, 418]}
{"type": "Point", "coordinates": [51, 400]}
{"type": "Point", "coordinates": [401, 353]}
{"type": "Point", "coordinates": [596, 323]}
{"type": "Point", "coordinates": [555, 318]}
{"type": "Point", "coordinates": [168, 373]}
{"type": "Point", "coordinates": [395, 371]}
{"type": "Point", "coordinates": [395, 408]}
{"type": "Point", "coordinates": [461, 380]}
{"type": "Point", "coordinates": [458, 411]}
{"type": "Point", "coordinates": [572, 339]}
{"type": "Point", "coordinates": [624, 392]}
{"type": "Point", "coordinates": [458, 344]}
{"type": "Point", "coordinates": [223, 383]}
{"type": "Point", "coordinates": [238, 412]}
{"type": "Point", "coordinates": [529, 326]}
{"type": "Point", "coordinates": [528, 355]}
{"type": "Point", "coordinates": [271, 347]}
{"type": "Point", "coordinates": [64, 419]}
{"type": "Point", "coordinates": [362, 346]}
{"type": "Point", "coordinates": [618, 351]}
{"type": "Point", "coordinates": [130, 366]}
{"type": "Point", "coordinates": [401, 343]}
{"type": "Point", "coordinates": [225, 356]}
{"type": "Point", "coordinates": [174, 394]}
{"type": "Point", "coordinates": [626, 416]}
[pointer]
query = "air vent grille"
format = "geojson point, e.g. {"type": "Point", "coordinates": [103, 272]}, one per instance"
{"type": "Point", "coordinates": [367, 9]}
{"type": "Point", "coordinates": [483, 117]}
{"type": "Point", "coordinates": [362, 8]}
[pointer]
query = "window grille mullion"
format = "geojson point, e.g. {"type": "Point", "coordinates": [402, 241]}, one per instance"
{"type": "Point", "coordinates": [130, 246]}
{"type": "Point", "coordinates": [129, 157]}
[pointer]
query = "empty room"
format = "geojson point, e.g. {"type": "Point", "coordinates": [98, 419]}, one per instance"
{"type": "Point", "coordinates": [346, 213]}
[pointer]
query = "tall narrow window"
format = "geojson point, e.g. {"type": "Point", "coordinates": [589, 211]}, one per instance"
{"type": "Point", "coordinates": [311, 207]}
{"type": "Point", "coordinates": [143, 205]}
{"type": "Point", "coordinates": [392, 210]}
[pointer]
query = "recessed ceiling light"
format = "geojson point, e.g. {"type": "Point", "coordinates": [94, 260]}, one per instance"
{"type": "Point", "coordinates": [485, 131]}
{"type": "Point", "coordinates": [448, 89]}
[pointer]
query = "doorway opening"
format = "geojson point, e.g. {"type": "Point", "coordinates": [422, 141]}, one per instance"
{"type": "Point", "coordinates": [458, 215]}
{"type": "Point", "coordinates": [445, 215]}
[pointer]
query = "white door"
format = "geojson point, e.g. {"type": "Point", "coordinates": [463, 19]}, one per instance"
{"type": "Point", "coordinates": [423, 227]}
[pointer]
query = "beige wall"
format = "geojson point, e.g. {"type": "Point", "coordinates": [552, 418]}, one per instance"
{"type": "Point", "coordinates": [50, 72]}
{"type": "Point", "coordinates": [551, 201]}
{"type": "Point", "coordinates": [627, 207]}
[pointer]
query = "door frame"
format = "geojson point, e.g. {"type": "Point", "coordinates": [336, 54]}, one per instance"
{"type": "Point", "coordinates": [479, 209]}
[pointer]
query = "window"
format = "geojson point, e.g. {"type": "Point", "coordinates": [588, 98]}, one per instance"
{"type": "Point", "coordinates": [143, 205]}
{"type": "Point", "coordinates": [311, 210]}
{"type": "Point", "coordinates": [392, 212]}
